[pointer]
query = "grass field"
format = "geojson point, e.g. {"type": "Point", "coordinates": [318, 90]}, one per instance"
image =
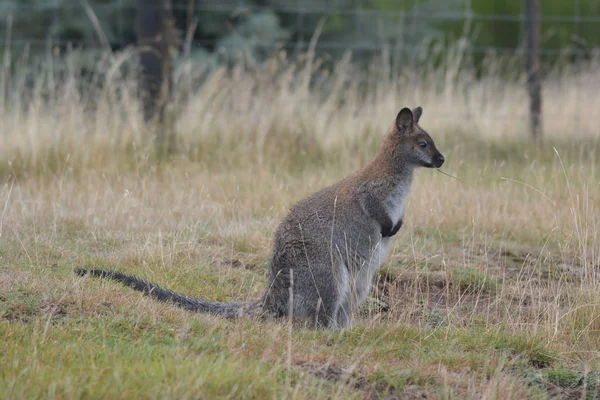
{"type": "Point", "coordinates": [491, 289]}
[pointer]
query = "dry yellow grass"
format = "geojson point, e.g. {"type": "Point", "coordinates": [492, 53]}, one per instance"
{"type": "Point", "coordinates": [491, 290]}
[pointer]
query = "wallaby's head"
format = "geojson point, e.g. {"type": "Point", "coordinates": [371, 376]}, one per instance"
{"type": "Point", "coordinates": [412, 144]}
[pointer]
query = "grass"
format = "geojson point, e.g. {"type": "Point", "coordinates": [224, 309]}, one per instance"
{"type": "Point", "coordinates": [472, 281]}
{"type": "Point", "coordinates": [490, 290]}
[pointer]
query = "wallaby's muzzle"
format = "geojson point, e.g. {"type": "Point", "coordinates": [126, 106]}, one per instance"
{"type": "Point", "coordinates": [438, 160]}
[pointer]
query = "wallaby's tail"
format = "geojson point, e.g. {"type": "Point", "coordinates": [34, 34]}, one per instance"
{"type": "Point", "coordinates": [227, 310]}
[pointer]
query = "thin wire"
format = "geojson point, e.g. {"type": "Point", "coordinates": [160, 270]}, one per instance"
{"type": "Point", "coordinates": [372, 45]}
{"type": "Point", "coordinates": [358, 12]}
{"type": "Point", "coordinates": [447, 15]}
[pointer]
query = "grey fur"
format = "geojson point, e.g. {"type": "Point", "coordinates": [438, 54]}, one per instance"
{"type": "Point", "coordinates": [329, 246]}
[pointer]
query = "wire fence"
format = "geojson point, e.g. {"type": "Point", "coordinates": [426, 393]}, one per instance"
{"type": "Point", "coordinates": [300, 15]}
{"type": "Point", "coordinates": [57, 13]}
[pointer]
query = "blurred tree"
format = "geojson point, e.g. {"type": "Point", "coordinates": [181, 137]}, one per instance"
{"type": "Point", "coordinates": [36, 21]}
{"type": "Point", "coordinates": [228, 26]}
{"type": "Point", "coordinates": [157, 36]}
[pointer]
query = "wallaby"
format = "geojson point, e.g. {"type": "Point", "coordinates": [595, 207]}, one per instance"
{"type": "Point", "coordinates": [329, 246]}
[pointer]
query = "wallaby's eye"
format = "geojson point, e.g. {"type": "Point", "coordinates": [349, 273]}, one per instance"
{"type": "Point", "coordinates": [422, 144]}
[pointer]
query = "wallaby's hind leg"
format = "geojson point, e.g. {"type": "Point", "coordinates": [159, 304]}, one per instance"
{"type": "Point", "coordinates": [344, 314]}
{"type": "Point", "coordinates": [361, 284]}
{"type": "Point", "coordinates": [324, 320]}
{"type": "Point", "coordinates": [317, 295]}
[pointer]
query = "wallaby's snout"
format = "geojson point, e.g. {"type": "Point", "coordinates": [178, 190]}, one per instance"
{"type": "Point", "coordinates": [438, 160]}
{"type": "Point", "coordinates": [432, 158]}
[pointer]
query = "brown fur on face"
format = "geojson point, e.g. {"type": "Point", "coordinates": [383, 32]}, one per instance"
{"type": "Point", "coordinates": [409, 144]}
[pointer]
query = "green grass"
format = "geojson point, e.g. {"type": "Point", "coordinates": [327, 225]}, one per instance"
{"type": "Point", "coordinates": [453, 316]}
{"type": "Point", "coordinates": [472, 281]}
{"type": "Point", "coordinates": [73, 338]}
{"type": "Point", "coordinates": [129, 357]}
{"type": "Point", "coordinates": [490, 290]}
{"type": "Point", "coordinates": [565, 378]}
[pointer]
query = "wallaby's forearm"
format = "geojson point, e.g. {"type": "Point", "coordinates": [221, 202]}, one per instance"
{"type": "Point", "coordinates": [375, 209]}
{"type": "Point", "coordinates": [395, 229]}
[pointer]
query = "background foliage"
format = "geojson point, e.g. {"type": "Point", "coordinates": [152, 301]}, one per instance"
{"type": "Point", "coordinates": [225, 27]}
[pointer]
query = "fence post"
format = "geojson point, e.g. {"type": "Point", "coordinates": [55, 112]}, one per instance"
{"type": "Point", "coordinates": [533, 18]}
{"type": "Point", "coordinates": [156, 36]}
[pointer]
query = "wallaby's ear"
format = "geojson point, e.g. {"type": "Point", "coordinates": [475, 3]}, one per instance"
{"type": "Point", "coordinates": [404, 120]}
{"type": "Point", "coordinates": [417, 112]}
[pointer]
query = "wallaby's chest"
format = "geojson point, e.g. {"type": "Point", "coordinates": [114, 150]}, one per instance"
{"type": "Point", "coordinates": [394, 203]}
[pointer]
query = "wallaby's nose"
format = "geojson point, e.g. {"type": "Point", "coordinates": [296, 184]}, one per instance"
{"type": "Point", "coordinates": [439, 160]}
